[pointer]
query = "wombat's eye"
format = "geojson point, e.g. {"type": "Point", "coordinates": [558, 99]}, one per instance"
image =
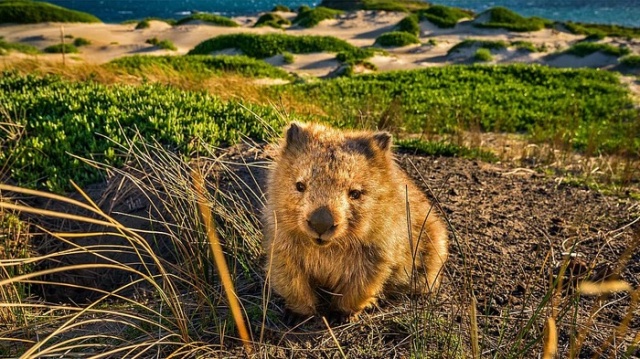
{"type": "Point", "coordinates": [355, 194]}
{"type": "Point", "coordinates": [300, 187]}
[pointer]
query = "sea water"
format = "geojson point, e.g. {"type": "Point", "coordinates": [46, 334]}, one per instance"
{"type": "Point", "coordinates": [620, 12]}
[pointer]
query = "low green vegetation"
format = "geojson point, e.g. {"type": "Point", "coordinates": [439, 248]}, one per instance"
{"type": "Point", "coordinates": [410, 25]}
{"type": "Point", "coordinates": [61, 48]}
{"type": "Point", "coordinates": [602, 29]}
{"type": "Point", "coordinates": [582, 108]}
{"type": "Point", "coordinates": [263, 46]}
{"type": "Point", "coordinates": [631, 61]}
{"type": "Point", "coordinates": [501, 17]}
{"type": "Point", "coordinates": [6, 47]}
{"type": "Point", "coordinates": [444, 16]}
{"type": "Point", "coordinates": [526, 46]}
{"type": "Point", "coordinates": [583, 49]}
{"type": "Point", "coordinates": [81, 41]}
{"type": "Point", "coordinates": [143, 24]}
{"type": "Point", "coordinates": [162, 44]}
{"type": "Point", "coordinates": [281, 8]}
{"type": "Point", "coordinates": [396, 38]}
{"type": "Point", "coordinates": [381, 5]}
{"type": "Point", "coordinates": [312, 17]}
{"type": "Point", "coordinates": [31, 12]}
{"type": "Point", "coordinates": [438, 148]}
{"type": "Point", "coordinates": [484, 44]}
{"type": "Point", "coordinates": [201, 64]}
{"type": "Point", "coordinates": [288, 58]}
{"type": "Point", "coordinates": [209, 18]}
{"type": "Point", "coordinates": [483, 55]}
{"type": "Point", "coordinates": [273, 20]}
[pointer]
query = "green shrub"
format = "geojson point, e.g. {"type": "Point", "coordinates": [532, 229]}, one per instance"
{"type": "Point", "coordinates": [281, 8]}
{"type": "Point", "coordinates": [595, 36]}
{"type": "Point", "coordinates": [431, 148]}
{"type": "Point", "coordinates": [303, 8]}
{"type": "Point", "coordinates": [201, 64]}
{"type": "Point", "coordinates": [631, 61]}
{"type": "Point", "coordinates": [444, 16]}
{"type": "Point", "coordinates": [273, 20]}
{"type": "Point", "coordinates": [409, 25]}
{"type": "Point", "coordinates": [381, 5]}
{"type": "Point", "coordinates": [6, 47]}
{"type": "Point", "coordinates": [485, 44]}
{"type": "Point", "coordinates": [501, 17]}
{"type": "Point", "coordinates": [81, 41]}
{"type": "Point", "coordinates": [61, 48]}
{"type": "Point", "coordinates": [606, 30]}
{"type": "Point", "coordinates": [288, 58]}
{"type": "Point", "coordinates": [525, 45]}
{"type": "Point", "coordinates": [163, 44]}
{"type": "Point", "coordinates": [312, 17]}
{"type": "Point", "coordinates": [263, 46]}
{"type": "Point", "coordinates": [483, 55]}
{"type": "Point", "coordinates": [582, 49]}
{"type": "Point", "coordinates": [144, 24]}
{"type": "Point", "coordinates": [396, 38]}
{"type": "Point", "coordinates": [31, 12]}
{"type": "Point", "coordinates": [209, 18]}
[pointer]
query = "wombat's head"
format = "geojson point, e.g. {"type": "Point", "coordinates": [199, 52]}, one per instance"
{"type": "Point", "coordinates": [327, 184]}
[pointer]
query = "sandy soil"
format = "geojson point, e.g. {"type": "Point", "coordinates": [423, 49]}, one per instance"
{"type": "Point", "coordinates": [360, 28]}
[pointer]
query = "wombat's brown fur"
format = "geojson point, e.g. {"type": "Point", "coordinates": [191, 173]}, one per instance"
{"type": "Point", "coordinates": [336, 221]}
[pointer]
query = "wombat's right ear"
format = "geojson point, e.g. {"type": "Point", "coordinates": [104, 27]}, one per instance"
{"type": "Point", "coordinates": [296, 136]}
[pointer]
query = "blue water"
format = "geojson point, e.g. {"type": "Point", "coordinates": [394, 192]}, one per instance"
{"type": "Point", "coordinates": [620, 12]}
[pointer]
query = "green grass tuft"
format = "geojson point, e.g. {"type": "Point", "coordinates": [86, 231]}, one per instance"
{"type": "Point", "coordinates": [444, 16]}
{"type": "Point", "coordinates": [380, 5]}
{"type": "Point", "coordinates": [143, 24]}
{"type": "Point", "coordinates": [6, 47]}
{"type": "Point", "coordinates": [263, 46]}
{"type": "Point", "coordinates": [631, 61]}
{"type": "Point", "coordinates": [483, 55]}
{"type": "Point", "coordinates": [201, 64]}
{"type": "Point", "coordinates": [410, 25]}
{"type": "Point", "coordinates": [445, 149]}
{"type": "Point", "coordinates": [163, 44]}
{"type": "Point", "coordinates": [312, 17]}
{"type": "Point", "coordinates": [209, 18]}
{"type": "Point", "coordinates": [396, 38]}
{"type": "Point", "coordinates": [484, 44]}
{"type": "Point", "coordinates": [273, 20]}
{"type": "Point", "coordinates": [81, 41]}
{"type": "Point", "coordinates": [31, 12]}
{"type": "Point", "coordinates": [606, 30]}
{"type": "Point", "coordinates": [281, 8]}
{"type": "Point", "coordinates": [61, 48]}
{"type": "Point", "coordinates": [501, 17]}
{"type": "Point", "coordinates": [582, 49]}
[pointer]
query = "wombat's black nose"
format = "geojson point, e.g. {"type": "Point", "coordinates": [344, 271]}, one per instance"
{"type": "Point", "coordinates": [321, 220]}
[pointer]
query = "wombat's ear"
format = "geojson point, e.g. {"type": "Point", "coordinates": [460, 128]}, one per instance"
{"type": "Point", "coordinates": [296, 136]}
{"type": "Point", "coordinates": [382, 140]}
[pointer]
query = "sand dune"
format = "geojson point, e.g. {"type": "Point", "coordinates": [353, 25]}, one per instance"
{"type": "Point", "coordinates": [360, 28]}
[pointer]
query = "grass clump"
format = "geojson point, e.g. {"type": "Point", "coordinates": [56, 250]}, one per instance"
{"type": "Point", "coordinates": [288, 58]}
{"type": "Point", "coordinates": [209, 18]}
{"type": "Point", "coordinates": [526, 46]}
{"type": "Point", "coordinates": [582, 49]}
{"type": "Point", "coordinates": [200, 64]}
{"type": "Point", "coordinates": [501, 17]}
{"type": "Point", "coordinates": [380, 5]}
{"type": "Point", "coordinates": [312, 17]}
{"type": "Point", "coordinates": [273, 20]}
{"type": "Point", "coordinates": [483, 55]}
{"type": "Point", "coordinates": [602, 30]}
{"type": "Point", "coordinates": [143, 24]}
{"type": "Point", "coordinates": [410, 25]}
{"type": "Point", "coordinates": [162, 44]}
{"type": "Point", "coordinates": [281, 8]}
{"type": "Point", "coordinates": [61, 48]}
{"type": "Point", "coordinates": [263, 46]}
{"type": "Point", "coordinates": [81, 41]}
{"type": "Point", "coordinates": [445, 149]}
{"type": "Point", "coordinates": [484, 44]}
{"type": "Point", "coordinates": [6, 47]}
{"type": "Point", "coordinates": [444, 16]}
{"type": "Point", "coordinates": [32, 12]}
{"type": "Point", "coordinates": [396, 38]}
{"type": "Point", "coordinates": [631, 61]}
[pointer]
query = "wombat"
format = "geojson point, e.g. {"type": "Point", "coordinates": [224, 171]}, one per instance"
{"type": "Point", "coordinates": [342, 219]}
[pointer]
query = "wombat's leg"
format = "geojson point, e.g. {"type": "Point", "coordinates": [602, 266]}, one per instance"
{"type": "Point", "coordinates": [361, 293]}
{"type": "Point", "coordinates": [295, 289]}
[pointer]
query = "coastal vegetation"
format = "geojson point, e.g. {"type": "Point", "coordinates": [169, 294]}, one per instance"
{"type": "Point", "coordinates": [213, 19]}
{"type": "Point", "coordinates": [485, 44]}
{"type": "Point", "coordinates": [31, 12]}
{"type": "Point", "coordinates": [631, 61]}
{"type": "Point", "coordinates": [6, 47]}
{"type": "Point", "coordinates": [603, 29]}
{"type": "Point", "coordinates": [273, 20]}
{"type": "Point", "coordinates": [396, 38]}
{"type": "Point", "coordinates": [61, 48]}
{"type": "Point", "coordinates": [312, 17]}
{"type": "Point", "coordinates": [162, 44]}
{"type": "Point", "coordinates": [381, 5]}
{"type": "Point", "coordinates": [410, 25]}
{"type": "Point", "coordinates": [444, 16]}
{"type": "Point", "coordinates": [483, 55]}
{"type": "Point", "coordinates": [503, 18]}
{"type": "Point", "coordinates": [582, 49]}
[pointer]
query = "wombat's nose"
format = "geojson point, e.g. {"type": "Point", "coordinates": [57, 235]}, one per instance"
{"type": "Point", "coordinates": [321, 220]}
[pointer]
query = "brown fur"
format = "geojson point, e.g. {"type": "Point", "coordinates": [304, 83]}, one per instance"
{"type": "Point", "coordinates": [369, 250]}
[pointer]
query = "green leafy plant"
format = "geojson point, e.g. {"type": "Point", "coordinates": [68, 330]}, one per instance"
{"type": "Point", "coordinates": [409, 25]}
{"type": "Point", "coordinates": [631, 61]}
{"type": "Point", "coordinates": [81, 41]}
{"type": "Point", "coordinates": [6, 47]}
{"type": "Point", "coordinates": [484, 44]}
{"type": "Point", "coordinates": [583, 49]}
{"type": "Point", "coordinates": [602, 29]}
{"type": "Point", "coordinates": [312, 17]}
{"type": "Point", "coordinates": [273, 20]}
{"type": "Point", "coordinates": [281, 8]}
{"type": "Point", "coordinates": [444, 16]}
{"type": "Point", "coordinates": [501, 17]}
{"type": "Point", "coordinates": [61, 48]}
{"type": "Point", "coordinates": [143, 24]}
{"type": "Point", "coordinates": [209, 18]}
{"type": "Point", "coordinates": [396, 38]}
{"type": "Point", "coordinates": [31, 12]}
{"type": "Point", "coordinates": [483, 55]}
{"type": "Point", "coordinates": [163, 44]}
{"type": "Point", "coordinates": [288, 58]}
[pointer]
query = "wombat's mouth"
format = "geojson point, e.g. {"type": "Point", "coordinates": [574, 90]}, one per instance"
{"type": "Point", "coordinates": [321, 242]}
